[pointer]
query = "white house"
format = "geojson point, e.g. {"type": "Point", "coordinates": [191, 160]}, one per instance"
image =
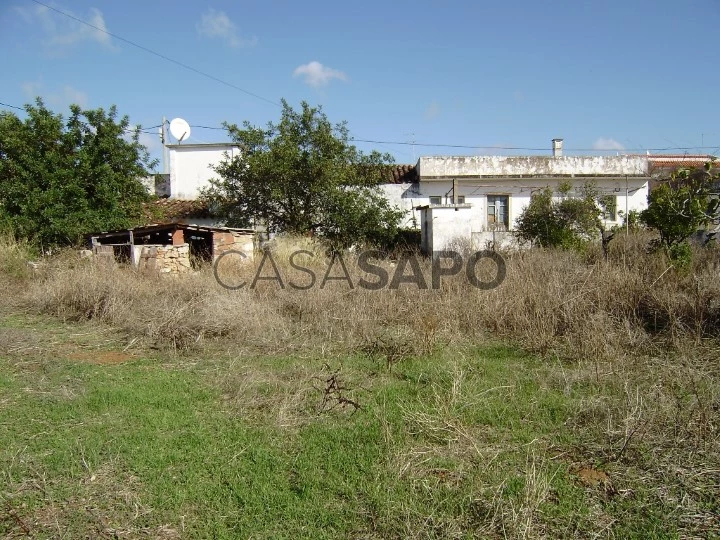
{"type": "Point", "coordinates": [478, 199]}
{"type": "Point", "coordinates": [191, 169]}
{"type": "Point", "coordinates": [475, 199]}
{"type": "Point", "coordinates": [191, 166]}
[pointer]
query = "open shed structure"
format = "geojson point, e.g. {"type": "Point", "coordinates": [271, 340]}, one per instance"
{"type": "Point", "coordinates": [171, 247]}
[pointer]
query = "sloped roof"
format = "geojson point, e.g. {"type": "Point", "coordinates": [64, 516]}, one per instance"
{"type": "Point", "coordinates": [401, 174]}
{"type": "Point", "coordinates": [678, 160]}
{"type": "Point", "coordinates": [141, 230]}
{"type": "Point", "coordinates": [172, 209]}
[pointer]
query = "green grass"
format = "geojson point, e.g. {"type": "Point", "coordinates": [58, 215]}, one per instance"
{"type": "Point", "coordinates": [469, 442]}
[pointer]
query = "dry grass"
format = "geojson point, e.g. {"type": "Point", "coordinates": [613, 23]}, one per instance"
{"type": "Point", "coordinates": [631, 342]}
{"type": "Point", "coordinates": [551, 302]}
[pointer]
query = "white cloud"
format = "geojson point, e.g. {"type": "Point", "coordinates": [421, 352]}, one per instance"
{"type": "Point", "coordinates": [151, 141]}
{"type": "Point", "coordinates": [432, 111]}
{"type": "Point", "coordinates": [315, 74]}
{"type": "Point", "coordinates": [31, 89]}
{"type": "Point", "coordinates": [606, 143]}
{"type": "Point", "coordinates": [63, 32]}
{"type": "Point", "coordinates": [74, 96]}
{"type": "Point", "coordinates": [59, 98]}
{"type": "Point", "coordinates": [216, 24]}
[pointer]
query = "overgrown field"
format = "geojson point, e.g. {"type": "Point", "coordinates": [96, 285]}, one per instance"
{"type": "Point", "coordinates": [579, 399]}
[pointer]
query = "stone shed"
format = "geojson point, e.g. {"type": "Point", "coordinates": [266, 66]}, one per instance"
{"type": "Point", "coordinates": [171, 248]}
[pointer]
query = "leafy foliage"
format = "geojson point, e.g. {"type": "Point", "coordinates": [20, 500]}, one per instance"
{"type": "Point", "coordinates": [678, 208]}
{"type": "Point", "coordinates": [303, 176]}
{"type": "Point", "coordinates": [631, 220]}
{"type": "Point", "coordinates": [567, 223]}
{"type": "Point", "coordinates": [62, 179]}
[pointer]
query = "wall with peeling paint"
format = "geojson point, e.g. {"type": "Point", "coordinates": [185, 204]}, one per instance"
{"type": "Point", "coordinates": [623, 177]}
{"type": "Point", "coordinates": [529, 166]}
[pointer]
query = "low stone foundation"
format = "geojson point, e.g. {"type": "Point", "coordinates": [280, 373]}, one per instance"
{"type": "Point", "coordinates": [233, 241]}
{"type": "Point", "coordinates": [169, 248]}
{"type": "Point", "coordinates": [165, 259]}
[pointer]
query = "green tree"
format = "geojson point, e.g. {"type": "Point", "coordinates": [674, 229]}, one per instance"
{"type": "Point", "coordinates": [681, 206]}
{"type": "Point", "coordinates": [61, 179]}
{"type": "Point", "coordinates": [567, 222]}
{"type": "Point", "coordinates": [303, 176]}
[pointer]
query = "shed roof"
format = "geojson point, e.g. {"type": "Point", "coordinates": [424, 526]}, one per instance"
{"type": "Point", "coordinates": [673, 161]}
{"type": "Point", "coordinates": [159, 227]}
{"type": "Point", "coordinates": [167, 210]}
{"type": "Point", "coordinates": [401, 174]}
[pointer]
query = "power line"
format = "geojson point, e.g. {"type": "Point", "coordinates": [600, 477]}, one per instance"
{"type": "Point", "coordinates": [465, 146]}
{"type": "Point", "coordinates": [544, 149]}
{"type": "Point", "coordinates": [128, 130]}
{"type": "Point", "coordinates": [11, 106]}
{"type": "Point", "coordinates": [145, 130]}
{"type": "Point", "coordinates": [159, 55]}
{"type": "Point", "coordinates": [404, 143]}
{"type": "Point", "coordinates": [524, 148]}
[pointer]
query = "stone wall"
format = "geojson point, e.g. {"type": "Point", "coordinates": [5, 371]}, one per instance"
{"type": "Point", "coordinates": [233, 240]}
{"type": "Point", "coordinates": [165, 259]}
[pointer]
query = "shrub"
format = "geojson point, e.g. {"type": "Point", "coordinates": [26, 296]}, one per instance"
{"type": "Point", "coordinates": [567, 223]}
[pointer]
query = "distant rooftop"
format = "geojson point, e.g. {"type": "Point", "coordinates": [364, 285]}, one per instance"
{"type": "Point", "coordinates": [531, 166]}
{"type": "Point", "coordinates": [678, 160]}
{"type": "Point", "coordinates": [170, 210]}
{"type": "Point", "coordinates": [401, 174]}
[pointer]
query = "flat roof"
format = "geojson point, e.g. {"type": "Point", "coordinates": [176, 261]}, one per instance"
{"type": "Point", "coordinates": [168, 226]}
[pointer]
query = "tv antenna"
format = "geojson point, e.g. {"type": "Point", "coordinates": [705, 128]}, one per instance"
{"type": "Point", "coordinates": [179, 129]}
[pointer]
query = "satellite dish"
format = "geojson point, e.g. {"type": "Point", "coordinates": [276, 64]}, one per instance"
{"type": "Point", "coordinates": [179, 129]}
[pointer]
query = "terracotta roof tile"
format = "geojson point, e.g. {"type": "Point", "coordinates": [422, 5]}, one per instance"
{"type": "Point", "coordinates": [401, 174]}
{"type": "Point", "coordinates": [674, 161]}
{"type": "Point", "coordinates": [172, 209]}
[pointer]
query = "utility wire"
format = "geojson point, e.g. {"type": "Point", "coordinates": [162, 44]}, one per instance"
{"type": "Point", "coordinates": [145, 130]}
{"type": "Point", "coordinates": [470, 147]}
{"type": "Point", "coordinates": [159, 55]}
{"type": "Point", "coordinates": [405, 143]}
{"type": "Point", "coordinates": [544, 149]}
{"type": "Point", "coordinates": [11, 106]}
{"type": "Point", "coordinates": [525, 148]}
{"type": "Point", "coordinates": [129, 130]}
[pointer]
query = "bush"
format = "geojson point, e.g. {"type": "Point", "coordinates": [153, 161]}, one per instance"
{"type": "Point", "coordinates": [568, 223]}
{"type": "Point", "coordinates": [681, 254]}
{"type": "Point", "coordinates": [679, 207]}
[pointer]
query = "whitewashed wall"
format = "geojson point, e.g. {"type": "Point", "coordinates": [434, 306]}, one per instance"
{"type": "Point", "coordinates": [445, 227]}
{"type": "Point", "coordinates": [191, 167]}
{"type": "Point", "coordinates": [407, 198]}
{"type": "Point", "coordinates": [509, 166]}
{"type": "Point", "coordinates": [472, 223]}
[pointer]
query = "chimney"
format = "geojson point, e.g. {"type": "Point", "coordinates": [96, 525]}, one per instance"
{"type": "Point", "coordinates": [557, 147]}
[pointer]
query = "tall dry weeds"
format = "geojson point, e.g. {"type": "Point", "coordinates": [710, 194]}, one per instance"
{"type": "Point", "coordinates": [643, 331]}
{"type": "Point", "coordinates": [551, 301]}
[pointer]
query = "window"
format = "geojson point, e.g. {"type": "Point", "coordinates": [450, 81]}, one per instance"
{"type": "Point", "coordinates": [497, 211]}
{"type": "Point", "coordinates": [609, 208]}
{"type": "Point", "coordinates": [435, 200]}
{"type": "Point", "coordinates": [461, 199]}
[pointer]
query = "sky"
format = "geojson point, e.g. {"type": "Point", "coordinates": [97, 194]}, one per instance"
{"type": "Point", "coordinates": [419, 78]}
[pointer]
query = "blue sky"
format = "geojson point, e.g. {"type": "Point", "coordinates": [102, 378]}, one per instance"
{"type": "Point", "coordinates": [603, 75]}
